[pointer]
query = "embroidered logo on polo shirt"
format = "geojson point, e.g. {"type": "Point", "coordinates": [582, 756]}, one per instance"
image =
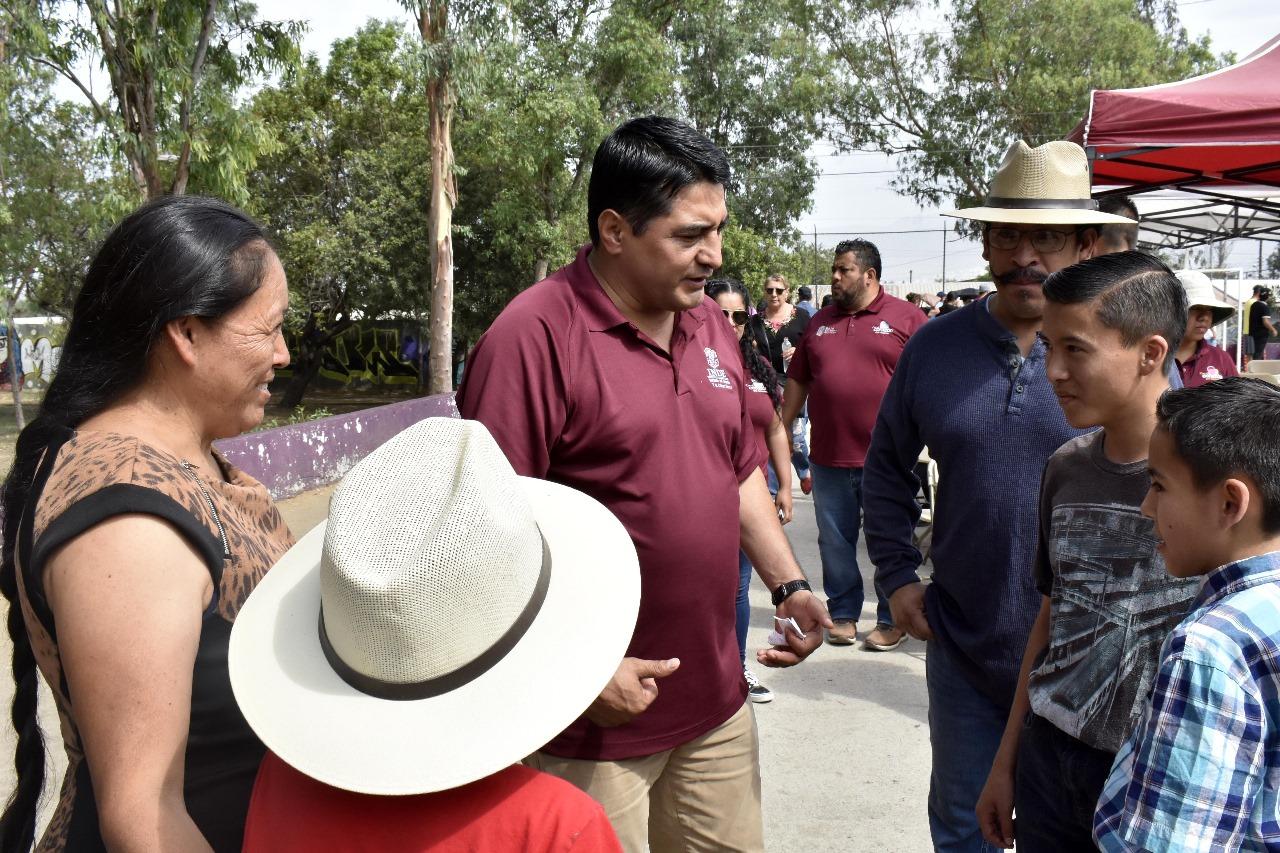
{"type": "Point", "coordinates": [882, 328]}
{"type": "Point", "coordinates": [715, 374]}
{"type": "Point", "coordinates": [757, 386]}
{"type": "Point", "coordinates": [825, 330]}
{"type": "Point", "coordinates": [1211, 374]}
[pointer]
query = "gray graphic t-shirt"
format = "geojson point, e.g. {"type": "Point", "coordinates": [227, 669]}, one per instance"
{"type": "Point", "coordinates": [1111, 601]}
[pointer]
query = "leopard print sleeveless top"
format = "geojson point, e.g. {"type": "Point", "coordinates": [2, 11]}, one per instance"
{"type": "Point", "coordinates": [84, 479]}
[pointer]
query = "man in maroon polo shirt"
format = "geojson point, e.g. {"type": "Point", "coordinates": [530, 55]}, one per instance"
{"type": "Point", "coordinates": [615, 377]}
{"type": "Point", "coordinates": [843, 366]}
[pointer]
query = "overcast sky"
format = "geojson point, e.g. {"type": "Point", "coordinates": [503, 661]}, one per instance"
{"type": "Point", "coordinates": [863, 203]}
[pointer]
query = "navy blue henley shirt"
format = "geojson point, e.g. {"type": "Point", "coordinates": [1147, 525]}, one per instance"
{"type": "Point", "coordinates": [991, 421]}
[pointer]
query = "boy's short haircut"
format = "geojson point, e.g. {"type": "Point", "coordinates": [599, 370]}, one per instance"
{"type": "Point", "coordinates": [1135, 294]}
{"type": "Point", "coordinates": [1227, 428]}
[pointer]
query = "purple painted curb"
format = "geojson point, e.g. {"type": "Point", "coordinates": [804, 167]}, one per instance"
{"type": "Point", "coordinates": [292, 459]}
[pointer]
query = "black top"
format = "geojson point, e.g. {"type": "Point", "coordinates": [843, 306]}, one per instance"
{"type": "Point", "coordinates": [222, 752]}
{"type": "Point", "coordinates": [1257, 329]}
{"type": "Point", "coordinates": [770, 342]}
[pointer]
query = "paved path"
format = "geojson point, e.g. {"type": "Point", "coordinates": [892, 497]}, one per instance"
{"type": "Point", "coordinates": [844, 744]}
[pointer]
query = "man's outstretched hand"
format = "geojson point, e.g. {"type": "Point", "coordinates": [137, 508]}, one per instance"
{"type": "Point", "coordinates": [630, 692]}
{"type": "Point", "coordinates": [811, 615]}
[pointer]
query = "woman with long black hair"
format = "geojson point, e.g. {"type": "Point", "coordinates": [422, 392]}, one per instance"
{"type": "Point", "coordinates": [130, 543]}
{"type": "Point", "coordinates": [764, 400]}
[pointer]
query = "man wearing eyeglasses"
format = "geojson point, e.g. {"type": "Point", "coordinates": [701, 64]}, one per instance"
{"type": "Point", "coordinates": [972, 387]}
{"type": "Point", "coordinates": [842, 367]}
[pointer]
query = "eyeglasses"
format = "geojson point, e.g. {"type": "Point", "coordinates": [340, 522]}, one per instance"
{"type": "Point", "coordinates": [1042, 239]}
{"type": "Point", "coordinates": [775, 290]}
{"type": "Point", "coordinates": [738, 318]}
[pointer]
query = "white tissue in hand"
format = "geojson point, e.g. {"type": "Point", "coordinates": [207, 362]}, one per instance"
{"type": "Point", "coordinates": [778, 637]}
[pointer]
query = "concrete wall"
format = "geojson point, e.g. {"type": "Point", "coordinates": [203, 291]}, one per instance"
{"type": "Point", "coordinates": [292, 459]}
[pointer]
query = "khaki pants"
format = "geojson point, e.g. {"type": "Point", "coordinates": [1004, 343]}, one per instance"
{"type": "Point", "coordinates": [702, 795]}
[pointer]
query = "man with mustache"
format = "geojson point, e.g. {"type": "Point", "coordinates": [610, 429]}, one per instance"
{"type": "Point", "coordinates": [971, 386]}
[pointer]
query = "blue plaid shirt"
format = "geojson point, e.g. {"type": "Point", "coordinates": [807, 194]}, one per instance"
{"type": "Point", "coordinates": [1202, 769]}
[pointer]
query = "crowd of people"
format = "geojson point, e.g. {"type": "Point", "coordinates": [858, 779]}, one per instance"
{"type": "Point", "coordinates": [525, 629]}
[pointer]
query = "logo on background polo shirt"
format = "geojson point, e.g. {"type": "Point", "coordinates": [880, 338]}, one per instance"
{"type": "Point", "coordinates": [882, 328]}
{"type": "Point", "coordinates": [757, 386]}
{"type": "Point", "coordinates": [825, 330]}
{"type": "Point", "coordinates": [1211, 373]}
{"type": "Point", "coordinates": [715, 374]}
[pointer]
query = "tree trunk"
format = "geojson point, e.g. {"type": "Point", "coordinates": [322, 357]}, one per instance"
{"type": "Point", "coordinates": [540, 269]}
{"type": "Point", "coordinates": [15, 378]}
{"type": "Point", "coordinates": [305, 369]}
{"type": "Point", "coordinates": [433, 25]}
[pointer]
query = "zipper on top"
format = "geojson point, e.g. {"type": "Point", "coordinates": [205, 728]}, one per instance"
{"type": "Point", "coordinates": [222, 533]}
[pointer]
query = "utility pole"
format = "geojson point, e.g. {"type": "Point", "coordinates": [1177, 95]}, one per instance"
{"type": "Point", "coordinates": [815, 255]}
{"type": "Point", "coordinates": [944, 257]}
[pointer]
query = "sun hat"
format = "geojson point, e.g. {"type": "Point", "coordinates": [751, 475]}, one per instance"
{"type": "Point", "coordinates": [447, 620]}
{"type": "Point", "coordinates": [1199, 288]}
{"type": "Point", "coordinates": [1048, 185]}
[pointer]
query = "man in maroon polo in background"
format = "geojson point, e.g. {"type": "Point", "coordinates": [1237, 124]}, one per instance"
{"type": "Point", "coordinates": [615, 377]}
{"type": "Point", "coordinates": [842, 366]}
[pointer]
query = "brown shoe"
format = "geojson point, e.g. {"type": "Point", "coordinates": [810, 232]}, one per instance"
{"type": "Point", "coordinates": [884, 638]}
{"type": "Point", "coordinates": [845, 632]}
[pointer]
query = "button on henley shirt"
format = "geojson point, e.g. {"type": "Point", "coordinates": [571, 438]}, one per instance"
{"type": "Point", "coordinates": [576, 394]}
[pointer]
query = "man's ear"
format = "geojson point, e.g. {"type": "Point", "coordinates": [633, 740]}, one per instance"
{"type": "Point", "coordinates": [614, 229]}
{"type": "Point", "coordinates": [1235, 501]}
{"type": "Point", "coordinates": [1154, 350]}
{"type": "Point", "coordinates": [181, 335]}
{"type": "Point", "coordinates": [1088, 241]}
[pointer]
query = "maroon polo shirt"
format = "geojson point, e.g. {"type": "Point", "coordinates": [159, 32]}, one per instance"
{"type": "Point", "coordinates": [1206, 364]}
{"type": "Point", "coordinates": [847, 361]}
{"type": "Point", "coordinates": [761, 411]}
{"type": "Point", "coordinates": [576, 394]}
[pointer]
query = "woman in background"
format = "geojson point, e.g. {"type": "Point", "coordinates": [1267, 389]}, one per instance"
{"type": "Point", "coordinates": [764, 400]}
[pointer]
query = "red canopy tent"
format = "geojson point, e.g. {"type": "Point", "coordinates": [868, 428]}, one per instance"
{"type": "Point", "coordinates": [1208, 137]}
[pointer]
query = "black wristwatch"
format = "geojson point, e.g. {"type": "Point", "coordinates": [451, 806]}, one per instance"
{"type": "Point", "coordinates": [784, 591]}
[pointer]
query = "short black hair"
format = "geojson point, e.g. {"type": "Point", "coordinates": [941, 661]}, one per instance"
{"type": "Point", "coordinates": [1119, 232]}
{"type": "Point", "coordinates": [865, 251]}
{"type": "Point", "coordinates": [1259, 288]}
{"type": "Point", "coordinates": [1227, 428]}
{"type": "Point", "coordinates": [804, 292]}
{"type": "Point", "coordinates": [1135, 294]}
{"type": "Point", "coordinates": [644, 164]}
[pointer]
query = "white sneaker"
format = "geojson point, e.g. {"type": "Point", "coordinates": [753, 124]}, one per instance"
{"type": "Point", "coordinates": [756, 691]}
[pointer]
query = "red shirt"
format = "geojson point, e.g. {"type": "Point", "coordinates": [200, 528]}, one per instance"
{"type": "Point", "coordinates": [761, 411]}
{"type": "Point", "coordinates": [847, 361]}
{"type": "Point", "coordinates": [576, 394]}
{"type": "Point", "coordinates": [1206, 364]}
{"type": "Point", "coordinates": [514, 809]}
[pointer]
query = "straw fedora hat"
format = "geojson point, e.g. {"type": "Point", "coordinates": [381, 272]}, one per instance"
{"type": "Point", "coordinates": [447, 620]}
{"type": "Point", "coordinates": [1048, 185]}
{"type": "Point", "coordinates": [1199, 288]}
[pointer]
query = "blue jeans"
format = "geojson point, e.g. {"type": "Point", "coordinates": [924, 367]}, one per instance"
{"type": "Point", "coordinates": [1056, 788]}
{"type": "Point", "coordinates": [837, 503]}
{"type": "Point", "coordinates": [965, 727]}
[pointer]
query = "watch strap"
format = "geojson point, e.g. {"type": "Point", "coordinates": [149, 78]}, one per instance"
{"type": "Point", "coordinates": [784, 591]}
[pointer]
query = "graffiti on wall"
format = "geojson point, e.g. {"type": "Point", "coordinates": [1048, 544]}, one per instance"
{"type": "Point", "coordinates": [38, 354]}
{"type": "Point", "coordinates": [375, 353]}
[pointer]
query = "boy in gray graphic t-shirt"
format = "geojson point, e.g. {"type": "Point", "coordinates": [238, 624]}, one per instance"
{"type": "Point", "coordinates": [1111, 325]}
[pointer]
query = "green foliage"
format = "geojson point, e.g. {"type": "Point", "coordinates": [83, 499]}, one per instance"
{"type": "Point", "coordinates": [175, 70]}
{"type": "Point", "coordinates": [299, 414]}
{"type": "Point", "coordinates": [751, 258]}
{"type": "Point", "coordinates": [952, 101]}
{"type": "Point", "coordinates": [58, 194]}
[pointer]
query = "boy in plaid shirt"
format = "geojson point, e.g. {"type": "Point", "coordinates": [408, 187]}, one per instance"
{"type": "Point", "coordinates": [1202, 769]}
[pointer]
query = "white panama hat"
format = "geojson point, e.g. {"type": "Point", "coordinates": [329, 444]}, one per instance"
{"type": "Point", "coordinates": [1199, 288]}
{"type": "Point", "coordinates": [447, 620]}
{"type": "Point", "coordinates": [1048, 185]}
